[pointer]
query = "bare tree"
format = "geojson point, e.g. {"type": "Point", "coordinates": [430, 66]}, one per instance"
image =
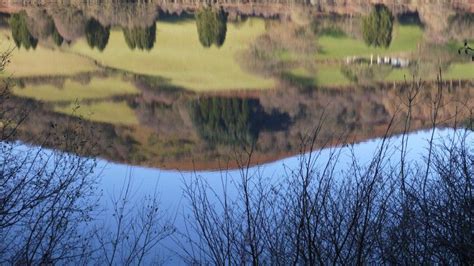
{"type": "Point", "coordinates": [379, 210]}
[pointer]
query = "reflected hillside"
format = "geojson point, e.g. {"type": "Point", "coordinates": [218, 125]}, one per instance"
{"type": "Point", "coordinates": [155, 126]}
{"type": "Point", "coordinates": [185, 86]}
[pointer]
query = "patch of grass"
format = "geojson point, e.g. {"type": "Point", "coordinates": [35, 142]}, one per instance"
{"type": "Point", "coordinates": [42, 61]}
{"type": "Point", "coordinates": [405, 39]}
{"type": "Point", "coordinates": [460, 71]}
{"type": "Point", "coordinates": [463, 71]}
{"type": "Point", "coordinates": [325, 76]}
{"type": "Point", "coordinates": [117, 113]}
{"type": "Point", "coordinates": [178, 56]}
{"type": "Point", "coordinates": [399, 74]}
{"type": "Point", "coordinates": [332, 76]}
{"type": "Point", "coordinates": [333, 32]}
{"type": "Point", "coordinates": [97, 88]}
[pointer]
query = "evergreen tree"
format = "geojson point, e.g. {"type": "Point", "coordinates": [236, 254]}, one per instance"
{"type": "Point", "coordinates": [97, 35]}
{"type": "Point", "coordinates": [20, 33]}
{"type": "Point", "coordinates": [378, 26]}
{"type": "Point", "coordinates": [211, 26]}
{"type": "Point", "coordinates": [227, 120]}
{"type": "Point", "coordinates": [141, 38]}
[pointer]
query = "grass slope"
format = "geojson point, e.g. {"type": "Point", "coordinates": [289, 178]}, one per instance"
{"type": "Point", "coordinates": [97, 88]}
{"type": "Point", "coordinates": [178, 56]}
{"type": "Point", "coordinates": [118, 113]}
{"type": "Point", "coordinates": [42, 61]}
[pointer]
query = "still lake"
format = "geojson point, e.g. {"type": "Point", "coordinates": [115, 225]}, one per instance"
{"type": "Point", "coordinates": [166, 92]}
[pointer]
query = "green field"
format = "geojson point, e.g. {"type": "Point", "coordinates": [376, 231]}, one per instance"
{"type": "Point", "coordinates": [325, 76]}
{"type": "Point", "coordinates": [460, 71]}
{"type": "Point", "coordinates": [331, 75]}
{"type": "Point", "coordinates": [405, 39]}
{"type": "Point", "coordinates": [42, 61]}
{"type": "Point", "coordinates": [97, 88]}
{"type": "Point", "coordinates": [179, 57]}
{"type": "Point", "coordinates": [118, 113]}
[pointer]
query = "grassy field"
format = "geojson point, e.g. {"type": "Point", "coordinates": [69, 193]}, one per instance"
{"type": "Point", "coordinates": [460, 71]}
{"type": "Point", "coordinates": [97, 88]}
{"type": "Point", "coordinates": [405, 39]}
{"type": "Point", "coordinates": [42, 61]}
{"type": "Point", "coordinates": [326, 76]}
{"type": "Point", "coordinates": [331, 75]}
{"type": "Point", "coordinates": [179, 56]}
{"type": "Point", "coordinates": [118, 113]}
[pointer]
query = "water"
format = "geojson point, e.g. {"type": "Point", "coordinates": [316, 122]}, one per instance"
{"type": "Point", "coordinates": [162, 93]}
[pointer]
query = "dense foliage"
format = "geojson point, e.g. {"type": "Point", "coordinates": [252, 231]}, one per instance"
{"type": "Point", "coordinates": [211, 26]}
{"type": "Point", "coordinates": [141, 38]}
{"type": "Point", "coordinates": [97, 35]}
{"type": "Point", "coordinates": [20, 33]}
{"type": "Point", "coordinates": [377, 27]}
{"type": "Point", "coordinates": [226, 120]}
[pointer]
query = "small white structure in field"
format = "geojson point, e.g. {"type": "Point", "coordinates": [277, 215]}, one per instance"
{"type": "Point", "coordinates": [404, 62]}
{"type": "Point", "coordinates": [395, 62]}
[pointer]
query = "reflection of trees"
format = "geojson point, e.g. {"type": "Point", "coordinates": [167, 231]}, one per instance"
{"type": "Point", "coordinates": [141, 38]}
{"type": "Point", "coordinates": [28, 29]}
{"type": "Point", "coordinates": [283, 47]}
{"type": "Point", "coordinates": [211, 26]}
{"type": "Point", "coordinates": [45, 196]}
{"type": "Point", "coordinates": [48, 198]}
{"type": "Point", "coordinates": [233, 120]}
{"type": "Point", "coordinates": [461, 26]}
{"type": "Point", "coordinates": [227, 120]}
{"type": "Point", "coordinates": [315, 214]}
{"type": "Point", "coordinates": [377, 27]}
{"type": "Point", "coordinates": [96, 34]}
{"type": "Point", "coordinates": [57, 38]}
{"type": "Point", "coordinates": [20, 33]}
{"type": "Point", "coordinates": [380, 209]}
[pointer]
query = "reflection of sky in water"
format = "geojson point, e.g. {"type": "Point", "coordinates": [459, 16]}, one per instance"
{"type": "Point", "coordinates": [169, 184]}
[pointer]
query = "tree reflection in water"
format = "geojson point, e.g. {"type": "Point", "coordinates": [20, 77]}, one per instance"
{"type": "Point", "coordinates": [97, 35]}
{"type": "Point", "coordinates": [233, 121]}
{"type": "Point", "coordinates": [387, 211]}
{"type": "Point", "coordinates": [378, 26]}
{"type": "Point", "coordinates": [141, 38]}
{"type": "Point", "coordinates": [49, 200]}
{"type": "Point", "coordinates": [20, 33]}
{"type": "Point", "coordinates": [211, 26]}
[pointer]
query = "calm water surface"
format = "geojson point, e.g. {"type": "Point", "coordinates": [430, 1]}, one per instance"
{"type": "Point", "coordinates": [174, 91]}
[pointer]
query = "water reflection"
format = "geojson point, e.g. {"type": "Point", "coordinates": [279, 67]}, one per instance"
{"type": "Point", "coordinates": [378, 26]}
{"type": "Point", "coordinates": [211, 26]}
{"type": "Point", "coordinates": [141, 38]}
{"type": "Point", "coordinates": [20, 32]}
{"type": "Point", "coordinates": [234, 121]}
{"type": "Point", "coordinates": [97, 35]}
{"type": "Point", "coordinates": [139, 123]}
{"type": "Point", "coordinates": [210, 80]}
{"type": "Point", "coordinates": [141, 85]}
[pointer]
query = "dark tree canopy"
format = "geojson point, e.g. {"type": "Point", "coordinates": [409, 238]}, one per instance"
{"type": "Point", "coordinates": [226, 120]}
{"type": "Point", "coordinates": [211, 26]}
{"type": "Point", "coordinates": [377, 27]}
{"type": "Point", "coordinates": [20, 33]}
{"type": "Point", "coordinates": [97, 35]}
{"type": "Point", "coordinates": [141, 38]}
{"type": "Point", "coordinates": [57, 38]}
